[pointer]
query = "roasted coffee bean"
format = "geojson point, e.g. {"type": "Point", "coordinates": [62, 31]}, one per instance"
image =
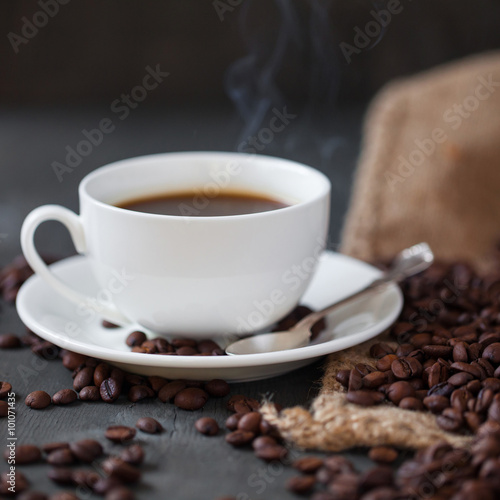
{"type": "Point", "coordinates": [460, 379]}
{"type": "Point", "coordinates": [460, 353]}
{"type": "Point", "coordinates": [355, 380]}
{"type": "Point", "coordinates": [402, 328]}
{"type": "Point", "coordinates": [86, 450]}
{"type": "Point", "coordinates": [383, 454]}
{"type": "Point", "coordinates": [420, 339]}
{"type": "Point", "coordinates": [90, 393]}
{"type": "Point", "coordinates": [484, 399]}
{"type": "Point", "coordinates": [378, 476]}
{"type": "Point", "coordinates": [474, 386]}
{"type": "Point", "coordinates": [133, 379]}
{"type": "Point", "coordinates": [301, 484]}
{"type": "Point", "coordinates": [442, 389]}
{"type": "Point", "coordinates": [121, 470]}
{"type": "Point", "coordinates": [157, 383]}
{"type": "Point", "coordinates": [234, 399]}
{"type": "Point", "coordinates": [467, 368]}
{"type": "Point", "coordinates": [404, 350]}
{"type": "Point", "coordinates": [207, 346]}
{"type": "Point", "coordinates": [459, 399]}
{"type": "Point", "coordinates": [239, 438]}
{"type": "Point", "coordinates": [133, 454]}
{"type": "Point", "coordinates": [64, 397]}
{"type": "Point", "coordinates": [140, 392]}
{"type": "Point", "coordinates": [486, 366]}
{"type": "Point", "coordinates": [232, 421]}
{"type": "Point", "coordinates": [136, 338]}
{"type": "Point", "coordinates": [263, 441]}
{"type": "Point", "coordinates": [494, 409]}
{"type": "Point", "coordinates": [37, 400]}
{"type": "Point", "coordinates": [9, 341]}
{"type": "Point", "coordinates": [384, 364]}
{"type": "Point", "coordinates": [217, 388]}
{"type": "Point", "coordinates": [186, 351]}
{"type": "Point", "coordinates": [345, 486]}
{"type": "Point", "coordinates": [45, 350]}
{"type": "Point", "coordinates": [380, 350]}
{"type": "Point", "coordinates": [83, 378]}
{"type": "Point", "coordinates": [85, 477]}
{"type": "Point", "coordinates": [207, 426]}
{"type": "Point", "coordinates": [120, 493]}
{"type": "Point", "coordinates": [182, 342]}
{"type": "Point", "coordinates": [169, 391]}
{"type": "Point", "coordinates": [5, 388]}
{"type": "Point", "coordinates": [413, 404]}
{"type": "Point", "coordinates": [475, 350]}
{"type": "Point", "coordinates": [437, 351]}
{"type": "Point", "coordinates": [473, 420]}
{"type": "Point", "coordinates": [101, 373]}
{"type": "Point", "coordinates": [4, 409]}
{"type": "Point", "coordinates": [308, 465]}
{"type": "Point", "coordinates": [50, 447]}
{"type": "Point", "coordinates": [72, 360]}
{"type": "Point", "coordinates": [109, 390]}
{"type": "Point", "coordinates": [250, 422]}
{"type": "Point", "coordinates": [149, 425]}
{"type": "Point", "coordinates": [120, 433]}
{"type": "Point", "coordinates": [342, 377]}
{"type": "Point", "coordinates": [63, 456]}
{"type": "Point", "coordinates": [374, 379]}
{"type": "Point", "coordinates": [436, 404]}
{"type": "Point", "coordinates": [242, 407]}
{"type": "Point", "coordinates": [19, 480]}
{"type": "Point", "coordinates": [271, 453]}
{"type": "Point", "coordinates": [492, 352]}
{"type": "Point", "coordinates": [434, 375]}
{"type": "Point", "coordinates": [450, 420]}
{"type": "Point", "coordinates": [25, 454]}
{"type": "Point", "coordinates": [491, 383]}
{"type": "Point", "coordinates": [108, 324]}
{"type": "Point", "coordinates": [399, 390]}
{"type": "Point", "coordinates": [106, 484]}
{"type": "Point", "coordinates": [405, 368]}
{"type": "Point", "coordinates": [191, 398]}
{"type": "Point", "coordinates": [365, 397]}
{"type": "Point", "coordinates": [61, 475]}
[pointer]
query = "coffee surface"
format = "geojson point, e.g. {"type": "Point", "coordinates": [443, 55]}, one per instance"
{"type": "Point", "coordinates": [196, 204]}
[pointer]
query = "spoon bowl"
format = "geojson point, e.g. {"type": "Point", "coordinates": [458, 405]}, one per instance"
{"type": "Point", "coordinates": [407, 263]}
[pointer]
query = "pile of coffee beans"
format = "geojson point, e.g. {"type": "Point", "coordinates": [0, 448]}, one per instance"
{"type": "Point", "coordinates": [447, 358]}
{"type": "Point", "coordinates": [176, 347]}
{"type": "Point", "coordinates": [138, 341]}
{"type": "Point", "coordinates": [106, 475]}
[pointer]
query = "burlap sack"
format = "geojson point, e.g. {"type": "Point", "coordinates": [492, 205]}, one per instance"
{"type": "Point", "coordinates": [429, 171]}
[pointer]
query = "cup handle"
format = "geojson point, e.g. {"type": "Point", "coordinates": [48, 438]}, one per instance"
{"type": "Point", "coordinates": [75, 228]}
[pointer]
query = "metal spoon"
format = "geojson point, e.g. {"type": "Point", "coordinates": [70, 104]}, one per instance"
{"type": "Point", "coordinates": [407, 263]}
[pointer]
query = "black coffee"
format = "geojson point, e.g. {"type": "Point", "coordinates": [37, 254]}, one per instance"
{"type": "Point", "coordinates": [199, 205]}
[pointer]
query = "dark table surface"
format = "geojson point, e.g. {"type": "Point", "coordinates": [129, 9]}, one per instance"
{"type": "Point", "coordinates": [180, 463]}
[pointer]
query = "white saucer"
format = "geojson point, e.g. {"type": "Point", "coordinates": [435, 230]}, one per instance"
{"type": "Point", "coordinates": [55, 319]}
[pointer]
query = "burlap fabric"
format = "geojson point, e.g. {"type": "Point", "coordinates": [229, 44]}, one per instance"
{"type": "Point", "coordinates": [429, 171]}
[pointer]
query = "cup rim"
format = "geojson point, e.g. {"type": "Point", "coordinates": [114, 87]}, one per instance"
{"type": "Point", "coordinates": [84, 194]}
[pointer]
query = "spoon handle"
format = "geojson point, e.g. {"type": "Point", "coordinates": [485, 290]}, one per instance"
{"type": "Point", "coordinates": [377, 285]}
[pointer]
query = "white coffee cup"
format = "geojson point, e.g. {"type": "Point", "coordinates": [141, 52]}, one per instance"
{"type": "Point", "coordinates": [192, 276]}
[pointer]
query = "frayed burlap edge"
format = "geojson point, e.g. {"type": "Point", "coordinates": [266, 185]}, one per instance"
{"type": "Point", "coordinates": [333, 424]}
